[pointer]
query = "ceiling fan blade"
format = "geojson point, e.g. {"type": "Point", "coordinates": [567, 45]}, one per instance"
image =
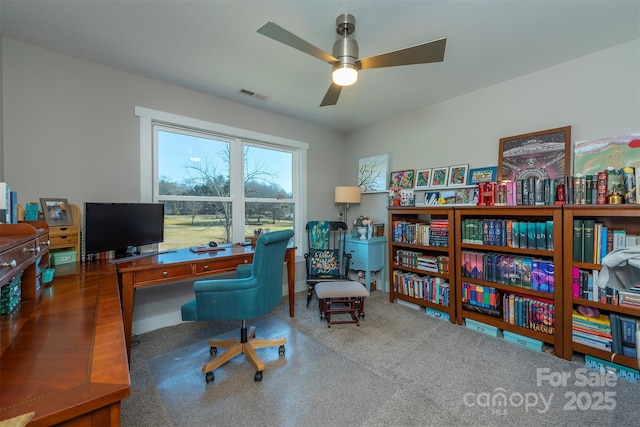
{"type": "Point", "coordinates": [331, 97]}
{"type": "Point", "coordinates": [432, 51]}
{"type": "Point", "coordinates": [276, 32]}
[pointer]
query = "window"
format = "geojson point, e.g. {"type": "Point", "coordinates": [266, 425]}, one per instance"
{"type": "Point", "coordinates": [219, 183]}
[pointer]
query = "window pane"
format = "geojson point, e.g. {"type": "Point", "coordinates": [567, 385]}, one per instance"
{"type": "Point", "coordinates": [268, 173]}
{"type": "Point", "coordinates": [193, 223]}
{"type": "Point", "coordinates": [267, 217]}
{"type": "Point", "coordinates": [192, 165]}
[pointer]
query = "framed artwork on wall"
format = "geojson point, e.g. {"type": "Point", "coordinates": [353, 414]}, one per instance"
{"type": "Point", "coordinates": [56, 212]}
{"type": "Point", "coordinates": [423, 177]}
{"type": "Point", "coordinates": [595, 155]}
{"type": "Point", "coordinates": [401, 180]}
{"type": "Point", "coordinates": [486, 174]}
{"type": "Point", "coordinates": [458, 175]}
{"type": "Point", "coordinates": [372, 173]}
{"type": "Point", "coordinates": [543, 154]}
{"type": "Point", "coordinates": [439, 177]}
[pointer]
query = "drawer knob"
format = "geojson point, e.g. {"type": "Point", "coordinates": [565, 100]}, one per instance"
{"type": "Point", "coordinates": [36, 249]}
{"type": "Point", "coordinates": [206, 268]}
{"type": "Point", "coordinates": [165, 274]}
{"type": "Point", "coordinates": [11, 264]}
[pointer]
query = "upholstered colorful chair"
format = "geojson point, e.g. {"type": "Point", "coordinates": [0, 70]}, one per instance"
{"type": "Point", "coordinates": [254, 293]}
{"type": "Point", "coordinates": [326, 260]}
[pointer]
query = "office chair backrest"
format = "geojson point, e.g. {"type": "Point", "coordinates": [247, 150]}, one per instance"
{"type": "Point", "coordinates": [268, 266]}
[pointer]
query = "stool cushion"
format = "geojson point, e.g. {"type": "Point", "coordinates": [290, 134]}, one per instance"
{"type": "Point", "coordinates": [341, 289]}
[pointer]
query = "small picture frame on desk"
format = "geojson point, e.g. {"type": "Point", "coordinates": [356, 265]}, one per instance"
{"type": "Point", "coordinates": [56, 212]}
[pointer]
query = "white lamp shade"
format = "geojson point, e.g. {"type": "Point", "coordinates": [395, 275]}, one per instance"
{"type": "Point", "coordinates": [347, 194]}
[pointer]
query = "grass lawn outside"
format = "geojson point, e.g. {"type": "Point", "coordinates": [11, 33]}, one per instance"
{"type": "Point", "coordinates": [179, 232]}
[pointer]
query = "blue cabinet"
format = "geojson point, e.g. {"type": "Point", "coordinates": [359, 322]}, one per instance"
{"type": "Point", "coordinates": [368, 256]}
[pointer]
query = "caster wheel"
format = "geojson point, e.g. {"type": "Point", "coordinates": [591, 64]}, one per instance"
{"type": "Point", "coordinates": [210, 377]}
{"type": "Point", "coordinates": [258, 376]}
{"type": "Point", "coordinates": [213, 350]}
{"type": "Point", "coordinates": [281, 349]}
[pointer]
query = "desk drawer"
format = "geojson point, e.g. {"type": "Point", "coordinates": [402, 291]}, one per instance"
{"type": "Point", "coordinates": [168, 273]}
{"type": "Point", "coordinates": [71, 230]}
{"type": "Point", "coordinates": [15, 259]}
{"type": "Point", "coordinates": [221, 265]}
{"type": "Point", "coordinates": [43, 242]}
{"type": "Point", "coordinates": [357, 265]}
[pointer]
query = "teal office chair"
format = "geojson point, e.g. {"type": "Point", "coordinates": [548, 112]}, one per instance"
{"type": "Point", "coordinates": [255, 292]}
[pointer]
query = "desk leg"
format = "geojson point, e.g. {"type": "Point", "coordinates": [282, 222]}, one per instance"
{"type": "Point", "coordinates": [126, 281]}
{"type": "Point", "coordinates": [291, 278]}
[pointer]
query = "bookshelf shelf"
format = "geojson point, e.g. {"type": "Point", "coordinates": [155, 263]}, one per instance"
{"type": "Point", "coordinates": [409, 228]}
{"type": "Point", "coordinates": [618, 217]}
{"type": "Point", "coordinates": [504, 283]}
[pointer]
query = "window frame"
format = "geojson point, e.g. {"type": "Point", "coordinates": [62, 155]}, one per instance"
{"type": "Point", "coordinates": [238, 137]}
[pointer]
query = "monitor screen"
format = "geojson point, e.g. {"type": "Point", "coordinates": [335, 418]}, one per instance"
{"type": "Point", "coordinates": [122, 226]}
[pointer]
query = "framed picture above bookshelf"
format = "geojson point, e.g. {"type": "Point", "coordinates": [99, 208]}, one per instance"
{"type": "Point", "coordinates": [458, 175]}
{"type": "Point", "coordinates": [545, 153]}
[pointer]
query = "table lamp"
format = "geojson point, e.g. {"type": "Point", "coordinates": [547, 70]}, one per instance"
{"type": "Point", "coordinates": [346, 195]}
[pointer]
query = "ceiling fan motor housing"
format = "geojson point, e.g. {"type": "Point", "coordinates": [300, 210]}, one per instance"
{"type": "Point", "coordinates": [345, 24]}
{"type": "Point", "coordinates": [345, 49]}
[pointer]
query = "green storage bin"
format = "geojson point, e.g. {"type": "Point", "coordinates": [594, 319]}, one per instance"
{"type": "Point", "coordinates": [606, 366]}
{"type": "Point", "coordinates": [523, 341]}
{"type": "Point", "coordinates": [481, 327]}
{"type": "Point", "coordinates": [62, 257]}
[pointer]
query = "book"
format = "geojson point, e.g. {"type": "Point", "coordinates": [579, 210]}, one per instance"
{"type": "Point", "coordinates": [628, 327]}
{"type": "Point", "coordinates": [601, 188]}
{"type": "Point", "coordinates": [589, 186]}
{"type": "Point", "coordinates": [616, 333]}
{"type": "Point", "coordinates": [588, 240]}
{"type": "Point", "coordinates": [601, 319]}
{"type": "Point", "coordinates": [578, 227]}
{"type": "Point", "coordinates": [549, 225]}
{"type": "Point", "coordinates": [541, 235]}
{"type": "Point", "coordinates": [5, 203]}
{"type": "Point", "coordinates": [515, 234]}
{"type": "Point", "coordinates": [13, 202]}
{"type": "Point", "coordinates": [619, 239]}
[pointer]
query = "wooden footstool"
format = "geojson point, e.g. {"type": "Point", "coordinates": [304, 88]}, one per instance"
{"type": "Point", "coordinates": [341, 297]}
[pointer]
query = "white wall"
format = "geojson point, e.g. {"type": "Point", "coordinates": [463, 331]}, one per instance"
{"type": "Point", "coordinates": [597, 95]}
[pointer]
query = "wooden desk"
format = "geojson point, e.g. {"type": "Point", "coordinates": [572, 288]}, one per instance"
{"type": "Point", "coordinates": [66, 360]}
{"type": "Point", "coordinates": [184, 264]}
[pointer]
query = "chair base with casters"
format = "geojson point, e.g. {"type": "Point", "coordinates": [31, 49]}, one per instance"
{"type": "Point", "coordinates": [341, 298]}
{"type": "Point", "coordinates": [247, 345]}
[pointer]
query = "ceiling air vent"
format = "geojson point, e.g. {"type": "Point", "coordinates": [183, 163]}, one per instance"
{"type": "Point", "coordinates": [253, 94]}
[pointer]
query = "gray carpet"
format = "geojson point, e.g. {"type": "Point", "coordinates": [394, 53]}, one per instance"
{"type": "Point", "coordinates": [399, 368]}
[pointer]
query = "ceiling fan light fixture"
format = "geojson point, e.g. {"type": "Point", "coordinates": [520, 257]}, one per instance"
{"type": "Point", "coordinates": [345, 74]}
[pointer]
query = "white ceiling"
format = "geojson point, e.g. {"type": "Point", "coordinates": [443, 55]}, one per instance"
{"type": "Point", "coordinates": [212, 46]}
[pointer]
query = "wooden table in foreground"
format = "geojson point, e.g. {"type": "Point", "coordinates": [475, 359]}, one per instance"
{"type": "Point", "coordinates": [184, 264]}
{"type": "Point", "coordinates": [66, 360]}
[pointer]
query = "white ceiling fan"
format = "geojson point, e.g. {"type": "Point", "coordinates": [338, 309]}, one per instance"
{"type": "Point", "coordinates": [344, 59]}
